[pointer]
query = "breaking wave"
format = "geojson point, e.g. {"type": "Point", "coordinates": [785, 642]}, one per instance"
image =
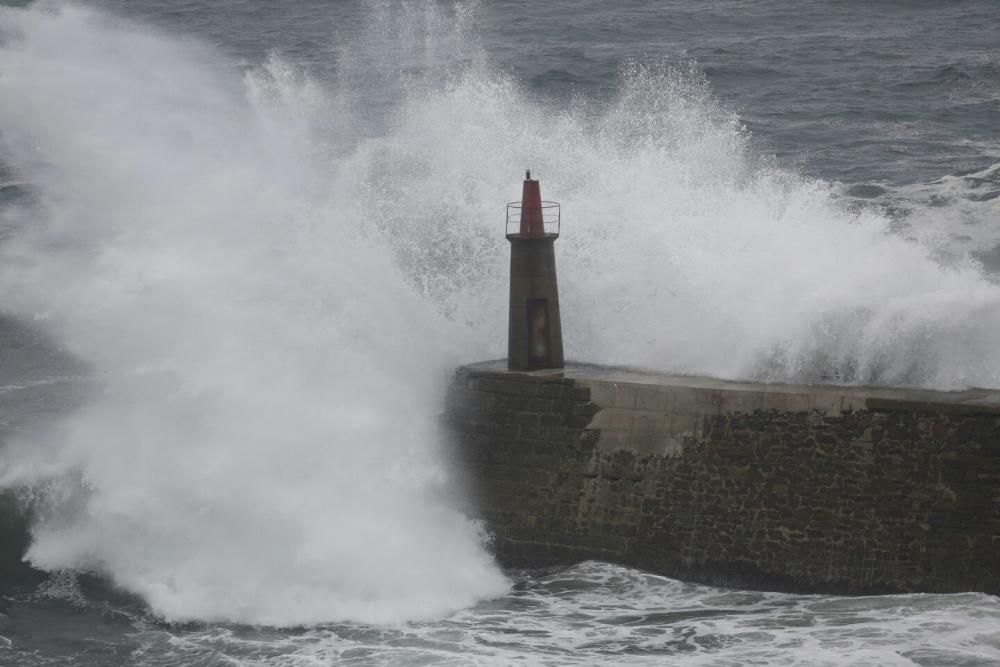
{"type": "Point", "coordinates": [270, 289]}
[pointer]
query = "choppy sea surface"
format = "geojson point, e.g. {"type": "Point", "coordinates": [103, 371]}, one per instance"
{"type": "Point", "coordinates": [592, 613]}
{"type": "Point", "coordinates": [242, 244]}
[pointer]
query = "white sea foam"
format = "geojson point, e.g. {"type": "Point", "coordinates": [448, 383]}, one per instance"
{"type": "Point", "coordinates": [953, 214]}
{"type": "Point", "coordinates": [595, 613]}
{"type": "Point", "coordinates": [264, 449]}
{"type": "Point", "coordinates": [271, 296]}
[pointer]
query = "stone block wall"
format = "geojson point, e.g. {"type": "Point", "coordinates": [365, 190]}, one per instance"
{"type": "Point", "coordinates": [759, 486]}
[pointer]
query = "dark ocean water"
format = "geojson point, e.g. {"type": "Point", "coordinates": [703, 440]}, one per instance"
{"type": "Point", "coordinates": [859, 92]}
{"type": "Point", "coordinates": [769, 130]}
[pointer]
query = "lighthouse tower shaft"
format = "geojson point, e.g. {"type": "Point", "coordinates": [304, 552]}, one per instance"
{"type": "Point", "coordinates": [534, 330]}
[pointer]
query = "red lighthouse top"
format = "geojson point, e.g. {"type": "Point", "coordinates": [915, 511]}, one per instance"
{"type": "Point", "coordinates": [532, 218]}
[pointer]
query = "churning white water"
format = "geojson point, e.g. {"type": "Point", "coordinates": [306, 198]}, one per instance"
{"type": "Point", "coordinates": [270, 298]}
{"type": "Point", "coordinates": [263, 444]}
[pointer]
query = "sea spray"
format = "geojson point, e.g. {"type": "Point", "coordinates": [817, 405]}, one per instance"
{"type": "Point", "coordinates": [269, 297]}
{"type": "Point", "coordinates": [684, 249]}
{"type": "Point", "coordinates": [262, 446]}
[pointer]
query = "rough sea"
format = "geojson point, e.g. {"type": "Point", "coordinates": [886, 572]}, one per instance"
{"type": "Point", "coordinates": [244, 243]}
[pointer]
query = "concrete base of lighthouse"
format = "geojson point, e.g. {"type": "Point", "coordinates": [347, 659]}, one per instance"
{"type": "Point", "coordinates": [534, 338]}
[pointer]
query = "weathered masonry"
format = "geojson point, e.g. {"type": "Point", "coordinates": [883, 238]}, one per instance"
{"type": "Point", "coordinates": [819, 488]}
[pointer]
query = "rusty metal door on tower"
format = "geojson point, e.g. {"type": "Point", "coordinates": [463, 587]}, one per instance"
{"type": "Point", "coordinates": [538, 331]}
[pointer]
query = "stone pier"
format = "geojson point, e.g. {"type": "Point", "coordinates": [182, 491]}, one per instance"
{"type": "Point", "coordinates": [781, 487]}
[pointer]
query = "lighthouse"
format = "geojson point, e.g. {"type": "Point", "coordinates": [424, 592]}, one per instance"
{"type": "Point", "coordinates": [534, 335]}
